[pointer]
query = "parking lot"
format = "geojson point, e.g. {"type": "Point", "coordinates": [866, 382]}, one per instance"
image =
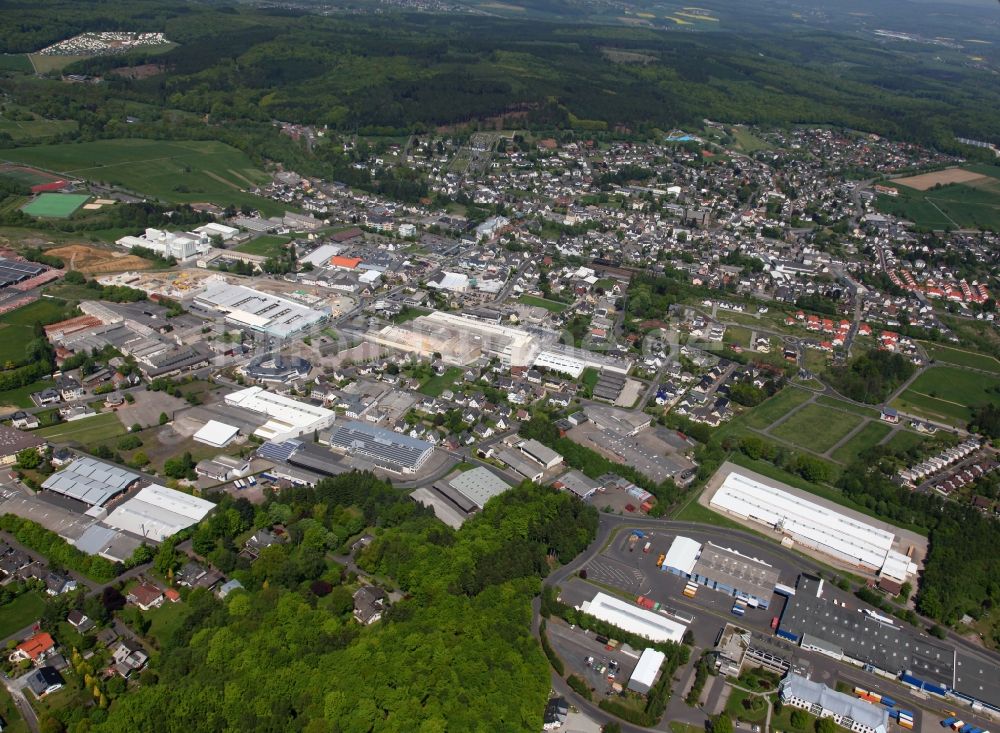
{"type": "Point", "coordinates": [576, 646]}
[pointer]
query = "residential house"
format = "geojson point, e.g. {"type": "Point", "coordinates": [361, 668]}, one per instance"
{"type": "Point", "coordinates": [145, 596]}
{"type": "Point", "coordinates": [129, 657]}
{"type": "Point", "coordinates": [35, 648]}
{"type": "Point", "coordinates": [79, 621]}
{"type": "Point", "coordinates": [369, 604]}
{"type": "Point", "coordinates": [44, 681]}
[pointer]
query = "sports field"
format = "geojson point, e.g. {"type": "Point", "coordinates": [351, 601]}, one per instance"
{"type": "Point", "coordinates": [816, 427]}
{"type": "Point", "coordinates": [173, 171]}
{"type": "Point", "coordinates": [948, 394]}
{"type": "Point", "coordinates": [87, 431]}
{"type": "Point", "coordinates": [55, 205]}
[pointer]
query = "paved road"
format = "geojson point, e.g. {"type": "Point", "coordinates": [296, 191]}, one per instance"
{"type": "Point", "coordinates": [16, 689]}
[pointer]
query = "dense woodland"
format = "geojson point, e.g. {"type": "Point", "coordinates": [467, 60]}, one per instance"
{"type": "Point", "coordinates": [871, 377]}
{"type": "Point", "coordinates": [455, 653]}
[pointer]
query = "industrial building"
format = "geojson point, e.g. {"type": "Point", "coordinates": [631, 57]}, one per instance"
{"type": "Point", "coordinates": [626, 423]}
{"type": "Point", "coordinates": [646, 671]}
{"type": "Point", "coordinates": [722, 569]}
{"type": "Point", "coordinates": [845, 538]}
{"type": "Point", "coordinates": [287, 418]}
{"type": "Point", "coordinates": [216, 434]}
{"type": "Point", "coordinates": [179, 245]}
{"type": "Point", "coordinates": [821, 623]}
{"type": "Point", "coordinates": [91, 481]}
{"type": "Point", "coordinates": [385, 448]}
{"type": "Point", "coordinates": [846, 710]}
{"type": "Point", "coordinates": [540, 453]}
{"type": "Point", "coordinates": [630, 617]}
{"type": "Point", "coordinates": [572, 361]}
{"type": "Point", "coordinates": [479, 485]}
{"type": "Point", "coordinates": [156, 513]}
{"type": "Point", "coordinates": [277, 368]}
{"type": "Point", "coordinates": [13, 272]}
{"type": "Point", "coordinates": [259, 312]}
{"type": "Point", "coordinates": [577, 483]}
{"type": "Point", "coordinates": [520, 464]}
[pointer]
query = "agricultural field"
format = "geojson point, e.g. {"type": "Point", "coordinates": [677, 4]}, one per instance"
{"type": "Point", "coordinates": [816, 427]}
{"type": "Point", "coordinates": [961, 357]}
{"type": "Point", "coordinates": [173, 171]}
{"type": "Point", "coordinates": [87, 431]}
{"type": "Point", "coordinates": [770, 410]}
{"type": "Point", "coordinates": [973, 203]}
{"type": "Point", "coordinates": [871, 434]}
{"type": "Point", "coordinates": [15, 62]}
{"type": "Point", "coordinates": [268, 245]}
{"type": "Point", "coordinates": [948, 394]}
{"type": "Point", "coordinates": [549, 305]}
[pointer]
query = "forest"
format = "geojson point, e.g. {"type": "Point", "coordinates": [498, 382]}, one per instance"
{"type": "Point", "coordinates": [454, 653]}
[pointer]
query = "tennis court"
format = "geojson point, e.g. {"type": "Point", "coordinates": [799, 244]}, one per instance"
{"type": "Point", "coordinates": [55, 205]}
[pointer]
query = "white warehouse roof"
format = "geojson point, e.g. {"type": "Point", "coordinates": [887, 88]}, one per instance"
{"type": "Point", "coordinates": [644, 674]}
{"type": "Point", "coordinates": [812, 524]}
{"type": "Point", "coordinates": [629, 617]}
{"type": "Point", "coordinates": [682, 555]}
{"type": "Point", "coordinates": [287, 418]}
{"type": "Point", "coordinates": [216, 434]}
{"type": "Point", "coordinates": [157, 512]}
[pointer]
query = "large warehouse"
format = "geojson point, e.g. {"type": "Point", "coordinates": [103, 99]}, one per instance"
{"type": "Point", "coordinates": [91, 481]}
{"type": "Point", "coordinates": [630, 617]}
{"type": "Point", "coordinates": [384, 448]}
{"type": "Point", "coordinates": [814, 525]}
{"type": "Point", "coordinates": [261, 312]}
{"type": "Point", "coordinates": [287, 418]}
{"type": "Point", "coordinates": [722, 569]}
{"type": "Point", "coordinates": [157, 512]}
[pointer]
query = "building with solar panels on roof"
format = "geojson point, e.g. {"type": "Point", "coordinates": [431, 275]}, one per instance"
{"type": "Point", "coordinates": [13, 272]}
{"type": "Point", "coordinates": [383, 448]}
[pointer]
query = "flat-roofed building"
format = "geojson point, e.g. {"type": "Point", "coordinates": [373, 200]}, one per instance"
{"type": "Point", "coordinates": [622, 422]}
{"type": "Point", "coordinates": [479, 485]}
{"type": "Point", "coordinates": [646, 671]}
{"type": "Point", "coordinates": [577, 483]}
{"type": "Point", "coordinates": [157, 512]}
{"type": "Point", "coordinates": [730, 572]}
{"type": "Point", "coordinates": [258, 311]}
{"type": "Point", "coordinates": [287, 418]}
{"type": "Point", "coordinates": [91, 481]}
{"type": "Point", "coordinates": [216, 434]}
{"type": "Point", "coordinates": [384, 448]}
{"type": "Point", "coordinates": [630, 617]}
{"type": "Point", "coordinates": [540, 453]}
{"type": "Point", "coordinates": [682, 556]}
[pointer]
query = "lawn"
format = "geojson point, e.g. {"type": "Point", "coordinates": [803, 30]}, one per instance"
{"type": "Point", "coordinates": [961, 357]}
{"type": "Point", "coordinates": [17, 326]}
{"type": "Point", "coordinates": [747, 141]}
{"type": "Point", "coordinates": [948, 393]}
{"type": "Point", "coordinates": [21, 397]}
{"type": "Point", "coordinates": [549, 305]}
{"type": "Point", "coordinates": [903, 440]}
{"type": "Point", "coordinates": [588, 380]}
{"type": "Point", "coordinates": [180, 171]}
{"type": "Point", "coordinates": [268, 245]}
{"type": "Point", "coordinates": [36, 128]}
{"type": "Point", "coordinates": [868, 436]}
{"type": "Point", "coordinates": [744, 706]}
{"type": "Point", "coordinates": [434, 386]}
{"type": "Point", "coordinates": [848, 407]}
{"type": "Point", "coordinates": [86, 431]}
{"type": "Point", "coordinates": [21, 612]}
{"type": "Point", "coordinates": [165, 620]}
{"type": "Point", "coordinates": [778, 406]}
{"type": "Point", "coordinates": [14, 723]}
{"type": "Point", "coordinates": [816, 427]}
{"type": "Point", "coordinates": [695, 512]}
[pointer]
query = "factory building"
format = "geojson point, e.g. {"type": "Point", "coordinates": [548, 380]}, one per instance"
{"type": "Point", "coordinates": [822, 528]}
{"type": "Point", "coordinates": [384, 448]}
{"type": "Point", "coordinates": [156, 513]}
{"type": "Point", "coordinates": [90, 481]}
{"type": "Point", "coordinates": [179, 245]}
{"type": "Point", "coordinates": [286, 418]}
{"type": "Point", "coordinates": [630, 617]}
{"type": "Point", "coordinates": [259, 312]}
{"type": "Point", "coordinates": [722, 569]}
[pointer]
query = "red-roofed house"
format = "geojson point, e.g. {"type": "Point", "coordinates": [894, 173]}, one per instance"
{"type": "Point", "coordinates": [35, 648]}
{"type": "Point", "coordinates": [145, 596]}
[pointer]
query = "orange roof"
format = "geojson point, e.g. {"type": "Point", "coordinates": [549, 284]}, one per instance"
{"type": "Point", "coordinates": [172, 595]}
{"type": "Point", "coordinates": [37, 645]}
{"type": "Point", "coordinates": [348, 263]}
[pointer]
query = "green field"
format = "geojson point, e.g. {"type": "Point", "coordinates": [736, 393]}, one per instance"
{"type": "Point", "coordinates": [816, 427]}
{"type": "Point", "coordinates": [903, 440]}
{"type": "Point", "coordinates": [948, 394]}
{"type": "Point", "coordinates": [174, 171]}
{"type": "Point", "coordinates": [868, 436]}
{"type": "Point", "coordinates": [770, 410]}
{"type": "Point", "coordinates": [17, 326]}
{"type": "Point", "coordinates": [21, 397]}
{"type": "Point", "coordinates": [961, 357]}
{"type": "Point", "coordinates": [848, 406]}
{"type": "Point", "coordinates": [87, 431]}
{"type": "Point", "coordinates": [15, 62]}
{"type": "Point", "coordinates": [21, 612]}
{"type": "Point", "coordinates": [747, 141]}
{"type": "Point", "coordinates": [55, 205]}
{"type": "Point", "coordinates": [33, 125]}
{"type": "Point", "coordinates": [549, 305]}
{"type": "Point", "coordinates": [268, 245]}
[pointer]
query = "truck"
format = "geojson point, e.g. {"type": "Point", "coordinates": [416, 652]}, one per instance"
{"type": "Point", "coordinates": [690, 589]}
{"type": "Point", "coordinates": [946, 723]}
{"type": "Point", "coordinates": [660, 560]}
{"type": "Point", "coordinates": [647, 603]}
{"type": "Point", "coordinates": [774, 623]}
{"type": "Point", "coordinates": [739, 608]}
{"type": "Point", "coordinates": [957, 724]}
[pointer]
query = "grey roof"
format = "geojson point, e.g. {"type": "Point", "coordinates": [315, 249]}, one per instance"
{"type": "Point", "coordinates": [479, 485]}
{"type": "Point", "coordinates": [90, 481]}
{"type": "Point", "coordinates": [839, 703]}
{"type": "Point", "coordinates": [736, 571]}
{"type": "Point", "coordinates": [13, 440]}
{"type": "Point", "coordinates": [95, 539]}
{"type": "Point", "coordinates": [383, 447]}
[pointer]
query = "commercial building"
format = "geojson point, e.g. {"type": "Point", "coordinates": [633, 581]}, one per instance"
{"type": "Point", "coordinates": [277, 368]}
{"type": "Point", "coordinates": [644, 675]}
{"type": "Point", "coordinates": [157, 512]}
{"type": "Point", "coordinates": [577, 483]}
{"type": "Point", "coordinates": [384, 448]}
{"type": "Point", "coordinates": [845, 538]}
{"type": "Point", "coordinates": [179, 245]}
{"type": "Point", "coordinates": [91, 481]}
{"type": "Point", "coordinates": [626, 423]}
{"type": "Point", "coordinates": [722, 569]}
{"type": "Point", "coordinates": [216, 434]}
{"type": "Point", "coordinates": [846, 710]}
{"type": "Point", "coordinates": [259, 312]}
{"type": "Point", "coordinates": [520, 464]}
{"type": "Point", "coordinates": [631, 618]}
{"type": "Point", "coordinates": [287, 418]}
{"type": "Point", "coordinates": [540, 453]}
{"type": "Point", "coordinates": [572, 361]}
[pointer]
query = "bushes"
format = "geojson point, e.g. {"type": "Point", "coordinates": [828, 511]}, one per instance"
{"type": "Point", "coordinates": [57, 550]}
{"type": "Point", "coordinates": [580, 687]}
{"type": "Point", "coordinates": [700, 677]}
